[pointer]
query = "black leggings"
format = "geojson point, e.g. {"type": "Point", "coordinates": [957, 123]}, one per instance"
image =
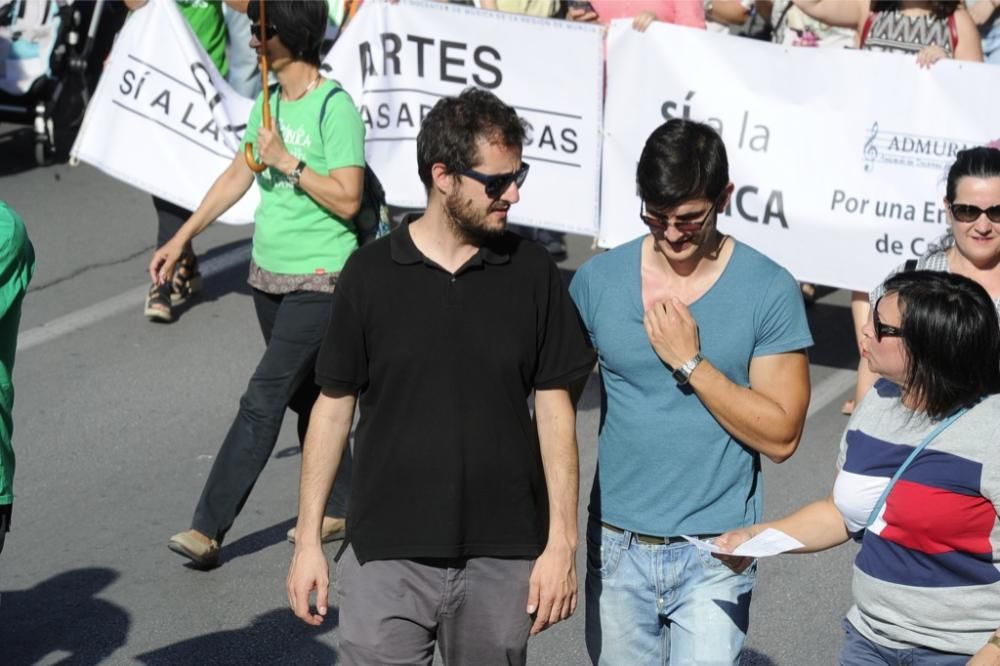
{"type": "Point", "coordinates": [169, 219]}
{"type": "Point", "coordinates": [294, 326]}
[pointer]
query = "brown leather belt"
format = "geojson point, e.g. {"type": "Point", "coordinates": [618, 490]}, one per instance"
{"type": "Point", "coordinates": [657, 540]}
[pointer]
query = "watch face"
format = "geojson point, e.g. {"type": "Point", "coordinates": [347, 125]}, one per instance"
{"type": "Point", "coordinates": [680, 376]}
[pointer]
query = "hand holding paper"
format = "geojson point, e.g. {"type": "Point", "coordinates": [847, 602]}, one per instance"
{"type": "Point", "coordinates": [767, 543]}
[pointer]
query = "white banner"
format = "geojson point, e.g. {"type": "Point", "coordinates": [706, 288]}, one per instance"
{"type": "Point", "coordinates": [396, 61]}
{"type": "Point", "coordinates": [162, 118]}
{"type": "Point", "coordinates": [839, 156]}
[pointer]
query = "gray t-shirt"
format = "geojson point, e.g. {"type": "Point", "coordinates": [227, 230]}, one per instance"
{"type": "Point", "coordinates": [927, 573]}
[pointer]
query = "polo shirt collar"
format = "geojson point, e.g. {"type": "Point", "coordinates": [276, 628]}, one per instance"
{"type": "Point", "coordinates": [403, 250]}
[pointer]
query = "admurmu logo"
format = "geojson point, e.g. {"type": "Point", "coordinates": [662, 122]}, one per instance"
{"type": "Point", "coordinates": [912, 150]}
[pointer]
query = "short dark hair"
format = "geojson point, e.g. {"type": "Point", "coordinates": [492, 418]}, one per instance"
{"type": "Point", "coordinates": [979, 162]}
{"type": "Point", "coordinates": [449, 133]}
{"type": "Point", "coordinates": [301, 25]}
{"type": "Point", "coordinates": [682, 160]}
{"type": "Point", "coordinates": [952, 338]}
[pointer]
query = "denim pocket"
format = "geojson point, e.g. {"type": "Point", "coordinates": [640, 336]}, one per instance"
{"type": "Point", "coordinates": [604, 551]}
{"type": "Point", "coordinates": [712, 564]}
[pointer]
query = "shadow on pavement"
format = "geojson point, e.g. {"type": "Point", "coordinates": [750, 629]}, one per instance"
{"type": "Point", "coordinates": [17, 145]}
{"type": "Point", "coordinates": [258, 541]}
{"type": "Point", "coordinates": [232, 280]}
{"type": "Point", "coordinates": [62, 615]}
{"type": "Point", "coordinates": [753, 658]}
{"type": "Point", "coordinates": [272, 638]}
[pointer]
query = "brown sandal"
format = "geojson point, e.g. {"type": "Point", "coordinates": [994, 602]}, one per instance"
{"type": "Point", "coordinates": [158, 306]}
{"type": "Point", "coordinates": [186, 281]}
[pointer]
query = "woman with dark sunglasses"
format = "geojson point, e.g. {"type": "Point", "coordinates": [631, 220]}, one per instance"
{"type": "Point", "coordinates": [928, 30]}
{"type": "Point", "coordinates": [310, 191]}
{"type": "Point", "coordinates": [918, 482]}
{"type": "Point", "coordinates": [971, 247]}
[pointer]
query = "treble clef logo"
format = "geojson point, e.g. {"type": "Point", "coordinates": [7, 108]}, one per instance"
{"type": "Point", "coordinates": [871, 152]}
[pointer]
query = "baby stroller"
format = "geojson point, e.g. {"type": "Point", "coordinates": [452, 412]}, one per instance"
{"type": "Point", "coordinates": [49, 65]}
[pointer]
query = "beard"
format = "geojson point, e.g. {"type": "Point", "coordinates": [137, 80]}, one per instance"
{"type": "Point", "coordinates": [473, 225]}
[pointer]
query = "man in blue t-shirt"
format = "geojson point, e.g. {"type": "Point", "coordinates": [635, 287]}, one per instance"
{"type": "Point", "coordinates": [701, 345]}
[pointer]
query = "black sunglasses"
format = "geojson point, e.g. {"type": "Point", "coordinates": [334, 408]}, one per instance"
{"type": "Point", "coordinates": [496, 184]}
{"type": "Point", "coordinates": [660, 222]}
{"type": "Point", "coordinates": [255, 31]}
{"type": "Point", "coordinates": [883, 330]}
{"type": "Point", "coordinates": [970, 213]}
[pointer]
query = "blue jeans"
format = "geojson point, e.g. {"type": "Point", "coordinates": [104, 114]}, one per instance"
{"type": "Point", "coordinates": [662, 604]}
{"type": "Point", "coordinates": [859, 651]}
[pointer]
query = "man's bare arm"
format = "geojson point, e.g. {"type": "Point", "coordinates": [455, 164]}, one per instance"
{"type": "Point", "coordinates": [329, 428]}
{"type": "Point", "coordinates": [770, 415]}
{"type": "Point", "coordinates": [552, 594]}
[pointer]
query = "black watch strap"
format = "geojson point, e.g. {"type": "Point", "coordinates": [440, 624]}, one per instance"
{"type": "Point", "coordinates": [296, 173]}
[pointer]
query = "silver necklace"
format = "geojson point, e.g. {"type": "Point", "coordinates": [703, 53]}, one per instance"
{"type": "Point", "coordinates": [315, 82]}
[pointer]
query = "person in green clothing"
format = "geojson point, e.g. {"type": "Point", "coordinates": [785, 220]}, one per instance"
{"type": "Point", "coordinates": [303, 235]}
{"type": "Point", "coordinates": [208, 23]}
{"type": "Point", "coordinates": [17, 265]}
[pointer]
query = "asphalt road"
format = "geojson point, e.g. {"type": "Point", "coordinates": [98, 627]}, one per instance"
{"type": "Point", "coordinates": [117, 422]}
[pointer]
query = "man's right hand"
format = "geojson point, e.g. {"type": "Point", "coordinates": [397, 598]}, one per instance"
{"type": "Point", "coordinates": [309, 571]}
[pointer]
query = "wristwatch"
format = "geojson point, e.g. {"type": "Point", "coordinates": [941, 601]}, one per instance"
{"type": "Point", "coordinates": [683, 373]}
{"type": "Point", "coordinates": [296, 173]}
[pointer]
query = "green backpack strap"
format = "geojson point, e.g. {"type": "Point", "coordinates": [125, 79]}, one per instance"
{"type": "Point", "coordinates": [322, 112]}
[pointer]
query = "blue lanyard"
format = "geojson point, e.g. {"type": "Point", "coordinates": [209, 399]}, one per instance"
{"type": "Point", "coordinates": [906, 463]}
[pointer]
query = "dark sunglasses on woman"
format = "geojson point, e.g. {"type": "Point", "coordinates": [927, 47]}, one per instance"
{"type": "Point", "coordinates": [970, 213]}
{"type": "Point", "coordinates": [883, 330]}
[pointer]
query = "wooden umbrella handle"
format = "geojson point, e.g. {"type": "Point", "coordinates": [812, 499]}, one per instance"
{"type": "Point", "coordinates": [254, 165]}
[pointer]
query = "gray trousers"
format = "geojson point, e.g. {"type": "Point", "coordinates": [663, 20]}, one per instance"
{"type": "Point", "coordinates": [394, 611]}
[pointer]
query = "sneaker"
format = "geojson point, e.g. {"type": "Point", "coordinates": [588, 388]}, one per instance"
{"type": "Point", "coordinates": [195, 546]}
{"type": "Point", "coordinates": [333, 529]}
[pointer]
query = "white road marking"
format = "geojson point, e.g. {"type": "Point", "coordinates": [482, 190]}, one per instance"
{"type": "Point", "coordinates": [83, 317]}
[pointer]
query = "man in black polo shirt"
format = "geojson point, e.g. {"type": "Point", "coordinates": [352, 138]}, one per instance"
{"type": "Point", "coordinates": [462, 521]}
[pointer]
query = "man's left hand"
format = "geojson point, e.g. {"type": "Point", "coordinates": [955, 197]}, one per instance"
{"type": "Point", "coordinates": [673, 332]}
{"type": "Point", "coordinates": [552, 587]}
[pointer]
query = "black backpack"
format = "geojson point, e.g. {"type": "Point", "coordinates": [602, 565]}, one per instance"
{"type": "Point", "coordinates": [373, 220]}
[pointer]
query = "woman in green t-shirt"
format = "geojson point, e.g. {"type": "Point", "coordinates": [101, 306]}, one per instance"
{"type": "Point", "coordinates": [309, 192]}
